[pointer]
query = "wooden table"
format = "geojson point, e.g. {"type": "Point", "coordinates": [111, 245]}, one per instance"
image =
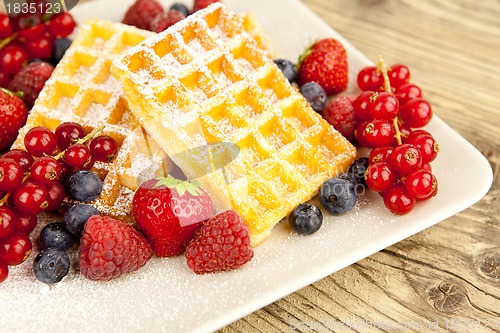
{"type": "Point", "coordinates": [449, 274]}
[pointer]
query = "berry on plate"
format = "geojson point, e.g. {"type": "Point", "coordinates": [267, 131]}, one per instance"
{"type": "Point", "coordinates": [339, 112]}
{"type": "Point", "coordinates": [315, 95]}
{"type": "Point", "coordinates": [84, 185]}
{"type": "Point", "coordinates": [221, 244]}
{"type": "Point", "coordinates": [51, 266]}
{"type": "Point", "coordinates": [110, 248]}
{"type": "Point", "coordinates": [13, 115]}
{"type": "Point", "coordinates": [325, 62]}
{"type": "Point", "coordinates": [55, 235]}
{"type": "Point", "coordinates": [287, 68]}
{"type": "Point", "coordinates": [305, 219]}
{"type": "Point", "coordinates": [200, 4]}
{"type": "Point", "coordinates": [30, 80]}
{"type": "Point", "coordinates": [165, 20]}
{"type": "Point", "coordinates": [337, 196]}
{"type": "Point", "coordinates": [169, 211]}
{"type": "Point", "coordinates": [142, 12]}
{"type": "Point", "coordinates": [76, 217]}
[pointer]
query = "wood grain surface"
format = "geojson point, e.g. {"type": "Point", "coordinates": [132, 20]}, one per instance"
{"type": "Point", "coordinates": [447, 277]}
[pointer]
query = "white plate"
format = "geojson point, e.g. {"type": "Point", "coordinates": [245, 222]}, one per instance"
{"type": "Point", "coordinates": [166, 296]}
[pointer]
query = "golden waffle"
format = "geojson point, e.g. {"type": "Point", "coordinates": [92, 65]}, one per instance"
{"type": "Point", "coordinates": [205, 81]}
{"type": "Point", "coordinates": [81, 89]}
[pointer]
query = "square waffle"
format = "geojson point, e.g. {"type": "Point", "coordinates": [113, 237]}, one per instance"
{"type": "Point", "coordinates": [81, 89]}
{"type": "Point", "coordinates": [227, 116]}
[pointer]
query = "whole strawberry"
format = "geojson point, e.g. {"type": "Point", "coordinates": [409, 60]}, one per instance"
{"type": "Point", "coordinates": [110, 248]}
{"type": "Point", "coordinates": [325, 62]}
{"type": "Point", "coordinates": [165, 20]}
{"type": "Point", "coordinates": [30, 81]}
{"type": "Point", "coordinates": [142, 12]}
{"type": "Point", "coordinates": [13, 115]}
{"type": "Point", "coordinates": [221, 244]}
{"type": "Point", "coordinates": [200, 4]}
{"type": "Point", "coordinates": [169, 211]}
{"type": "Point", "coordinates": [339, 112]}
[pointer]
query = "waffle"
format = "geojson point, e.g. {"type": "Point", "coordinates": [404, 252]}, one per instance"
{"type": "Point", "coordinates": [81, 89]}
{"type": "Point", "coordinates": [227, 116]}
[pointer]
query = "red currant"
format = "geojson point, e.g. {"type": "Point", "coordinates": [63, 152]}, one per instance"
{"type": "Point", "coordinates": [398, 200]}
{"type": "Point", "coordinates": [4, 271]}
{"type": "Point", "coordinates": [398, 75]}
{"type": "Point", "coordinates": [68, 133]}
{"type": "Point", "coordinates": [22, 157]}
{"type": "Point", "coordinates": [416, 113]}
{"type": "Point", "coordinates": [407, 92]}
{"type": "Point", "coordinates": [378, 133]}
{"type": "Point", "coordinates": [421, 183]}
{"type": "Point", "coordinates": [5, 79]}
{"type": "Point", "coordinates": [77, 155]}
{"type": "Point", "coordinates": [5, 28]}
{"type": "Point", "coordinates": [370, 78]}
{"type": "Point", "coordinates": [380, 154]}
{"type": "Point", "coordinates": [405, 158]}
{"type": "Point", "coordinates": [12, 58]}
{"type": "Point", "coordinates": [425, 143]}
{"type": "Point", "coordinates": [56, 196]}
{"type": "Point", "coordinates": [40, 48]}
{"type": "Point", "coordinates": [379, 176]}
{"type": "Point", "coordinates": [7, 221]}
{"type": "Point", "coordinates": [362, 104]}
{"type": "Point", "coordinates": [11, 174]}
{"type": "Point", "coordinates": [26, 224]}
{"type": "Point", "coordinates": [46, 170]}
{"type": "Point", "coordinates": [33, 33]}
{"type": "Point", "coordinates": [63, 25]}
{"type": "Point", "coordinates": [384, 106]}
{"type": "Point", "coordinates": [103, 148]}
{"type": "Point", "coordinates": [31, 198]}
{"type": "Point", "coordinates": [15, 249]}
{"type": "Point", "coordinates": [40, 141]}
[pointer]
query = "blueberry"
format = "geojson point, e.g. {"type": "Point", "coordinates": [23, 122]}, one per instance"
{"type": "Point", "coordinates": [315, 95]}
{"type": "Point", "coordinates": [76, 217]}
{"type": "Point", "coordinates": [180, 7]}
{"type": "Point", "coordinates": [56, 236]}
{"type": "Point", "coordinates": [51, 265]}
{"type": "Point", "coordinates": [59, 48]}
{"type": "Point", "coordinates": [84, 186]}
{"type": "Point", "coordinates": [288, 68]}
{"type": "Point", "coordinates": [337, 196]}
{"type": "Point", "coordinates": [305, 219]}
{"type": "Point", "coordinates": [358, 169]}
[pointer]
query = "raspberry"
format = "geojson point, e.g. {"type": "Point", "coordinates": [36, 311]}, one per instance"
{"type": "Point", "coordinates": [109, 248]}
{"type": "Point", "coordinates": [30, 81]}
{"type": "Point", "coordinates": [200, 4]}
{"type": "Point", "coordinates": [221, 244]}
{"type": "Point", "coordinates": [165, 20]}
{"type": "Point", "coordinates": [339, 112]}
{"type": "Point", "coordinates": [142, 12]}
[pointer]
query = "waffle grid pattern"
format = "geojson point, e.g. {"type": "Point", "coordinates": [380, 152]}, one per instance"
{"type": "Point", "coordinates": [82, 89]}
{"type": "Point", "coordinates": [206, 81]}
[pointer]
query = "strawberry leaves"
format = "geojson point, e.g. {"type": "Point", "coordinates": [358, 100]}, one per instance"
{"type": "Point", "coordinates": [180, 186]}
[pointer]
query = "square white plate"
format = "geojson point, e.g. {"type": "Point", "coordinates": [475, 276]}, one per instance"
{"type": "Point", "coordinates": [166, 296]}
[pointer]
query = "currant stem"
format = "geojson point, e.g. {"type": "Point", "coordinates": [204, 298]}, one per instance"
{"type": "Point", "coordinates": [5, 198]}
{"type": "Point", "coordinates": [6, 41]}
{"type": "Point", "coordinates": [387, 87]}
{"type": "Point", "coordinates": [83, 140]}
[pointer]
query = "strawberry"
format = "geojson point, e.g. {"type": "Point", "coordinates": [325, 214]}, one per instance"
{"type": "Point", "coordinates": [30, 81]}
{"type": "Point", "coordinates": [142, 12]}
{"type": "Point", "coordinates": [221, 244]}
{"type": "Point", "coordinates": [339, 113]}
{"type": "Point", "coordinates": [200, 4]}
{"type": "Point", "coordinates": [110, 248]}
{"type": "Point", "coordinates": [169, 211]}
{"type": "Point", "coordinates": [165, 20]}
{"type": "Point", "coordinates": [13, 115]}
{"type": "Point", "coordinates": [325, 62]}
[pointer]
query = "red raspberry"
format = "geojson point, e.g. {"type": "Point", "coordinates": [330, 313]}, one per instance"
{"type": "Point", "coordinates": [109, 248]}
{"type": "Point", "coordinates": [339, 112]}
{"type": "Point", "coordinates": [142, 12]}
{"type": "Point", "coordinates": [30, 81]}
{"type": "Point", "coordinates": [165, 20]}
{"type": "Point", "coordinates": [200, 4]}
{"type": "Point", "coordinates": [221, 244]}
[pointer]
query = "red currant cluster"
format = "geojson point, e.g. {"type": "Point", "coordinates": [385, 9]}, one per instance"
{"type": "Point", "coordinates": [17, 48]}
{"type": "Point", "coordinates": [31, 181]}
{"type": "Point", "coordinates": [392, 111]}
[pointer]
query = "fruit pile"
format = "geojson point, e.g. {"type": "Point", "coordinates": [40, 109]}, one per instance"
{"type": "Point", "coordinates": [35, 180]}
{"type": "Point", "coordinates": [150, 14]}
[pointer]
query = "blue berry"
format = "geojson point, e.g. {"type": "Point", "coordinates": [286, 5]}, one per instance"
{"type": "Point", "coordinates": [288, 68]}
{"type": "Point", "coordinates": [76, 217]}
{"type": "Point", "coordinates": [59, 48]}
{"type": "Point", "coordinates": [358, 169]}
{"type": "Point", "coordinates": [180, 7]}
{"type": "Point", "coordinates": [84, 186]}
{"type": "Point", "coordinates": [51, 265]}
{"type": "Point", "coordinates": [306, 219]}
{"type": "Point", "coordinates": [315, 95]}
{"type": "Point", "coordinates": [56, 236]}
{"type": "Point", "coordinates": [337, 196]}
